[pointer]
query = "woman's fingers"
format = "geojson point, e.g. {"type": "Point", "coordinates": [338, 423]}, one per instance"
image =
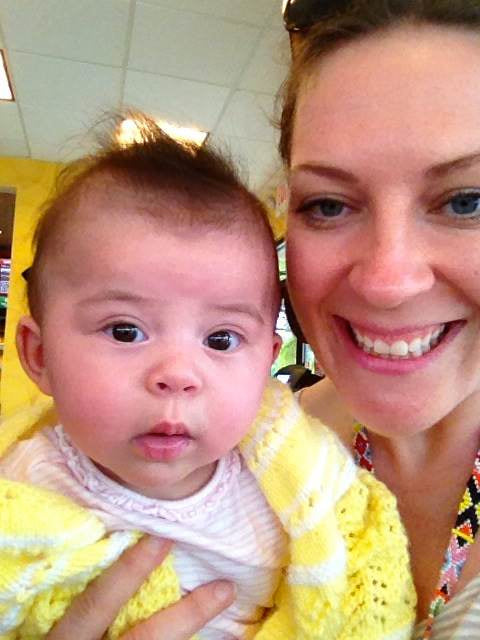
{"type": "Point", "coordinates": [95, 609]}
{"type": "Point", "coordinates": [184, 618]}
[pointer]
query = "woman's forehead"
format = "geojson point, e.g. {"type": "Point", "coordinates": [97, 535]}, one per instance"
{"type": "Point", "coordinates": [410, 86]}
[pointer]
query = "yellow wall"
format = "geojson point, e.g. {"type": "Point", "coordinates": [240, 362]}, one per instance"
{"type": "Point", "coordinates": [33, 181]}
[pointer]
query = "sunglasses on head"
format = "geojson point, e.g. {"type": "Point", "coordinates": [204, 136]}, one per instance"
{"type": "Point", "coordinates": [300, 15]}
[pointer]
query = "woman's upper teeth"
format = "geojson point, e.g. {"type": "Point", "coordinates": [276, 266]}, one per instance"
{"type": "Point", "coordinates": [415, 346]}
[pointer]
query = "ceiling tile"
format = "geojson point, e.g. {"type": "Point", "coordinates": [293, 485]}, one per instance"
{"type": "Point", "coordinates": [254, 12]}
{"type": "Point", "coordinates": [58, 134]}
{"type": "Point", "coordinates": [190, 45]}
{"type": "Point", "coordinates": [64, 84]}
{"type": "Point", "coordinates": [184, 102]}
{"type": "Point", "coordinates": [90, 30]}
{"type": "Point", "coordinates": [277, 19]}
{"type": "Point", "coordinates": [10, 122]}
{"type": "Point", "coordinates": [249, 115]}
{"type": "Point", "coordinates": [13, 147]}
{"type": "Point", "coordinates": [56, 153]}
{"type": "Point", "coordinates": [269, 65]}
{"type": "Point", "coordinates": [256, 160]}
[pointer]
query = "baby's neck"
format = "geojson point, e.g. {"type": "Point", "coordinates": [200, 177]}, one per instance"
{"type": "Point", "coordinates": [189, 486]}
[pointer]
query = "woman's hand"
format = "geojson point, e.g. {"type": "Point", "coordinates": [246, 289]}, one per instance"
{"type": "Point", "coordinates": [95, 609]}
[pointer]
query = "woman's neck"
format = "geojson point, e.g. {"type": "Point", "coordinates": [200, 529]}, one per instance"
{"type": "Point", "coordinates": [455, 438]}
{"type": "Point", "coordinates": [452, 442]}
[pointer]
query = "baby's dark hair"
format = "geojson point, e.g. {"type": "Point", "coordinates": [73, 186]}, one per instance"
{"type": "Point", "coordinates": [201, 180]}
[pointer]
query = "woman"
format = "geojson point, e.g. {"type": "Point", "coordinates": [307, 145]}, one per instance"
{"type": "Point", "coordinates": [381, 132]}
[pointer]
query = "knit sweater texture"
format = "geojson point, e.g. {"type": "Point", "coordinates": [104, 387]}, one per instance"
{"type": "Point", "coordinates": [348, 574]}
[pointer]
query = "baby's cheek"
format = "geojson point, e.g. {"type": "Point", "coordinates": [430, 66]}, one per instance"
{"type": "Point", "coordinates": [240, 414]}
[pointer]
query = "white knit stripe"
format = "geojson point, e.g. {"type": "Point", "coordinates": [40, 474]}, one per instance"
{"type": "Point", "coordinates": [316, 513]}
{"type": "Point", "coordinates": [118, 542]}
{"type": "Point", "coordinates": [319, 574]}
{"type": "Point", "coordinates": [21, 583]}
{"type": "Point", "coordinates": [51, 578]}
{"type": "Point", "coordinates": [83, 534]}
{"type": "Point", "coordinates": [289, 420]}
{"type": "Point", "coordinates": [11, 619]}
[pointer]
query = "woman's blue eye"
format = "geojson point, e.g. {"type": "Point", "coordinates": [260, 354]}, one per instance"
{"type": "Point", "coordinates": [323, 208]}
{"type": "Point", "coordinates": [331, 208]}
{"type": "Point", "coordinates": [125, 332]}
{"type": "Point", "coordinates": [222, 340]}
{"type": "Point", "coordinates": [465, 204]}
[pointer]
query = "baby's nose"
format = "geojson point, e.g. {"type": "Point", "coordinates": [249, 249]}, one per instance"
{"type": "Point", "coordinates": [176, 374]}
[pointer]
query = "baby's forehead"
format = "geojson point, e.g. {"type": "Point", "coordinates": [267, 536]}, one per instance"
{"type": "Point", "coordinates": [104, 206]}
{"type": "Point", "coordinates": [117, 197]}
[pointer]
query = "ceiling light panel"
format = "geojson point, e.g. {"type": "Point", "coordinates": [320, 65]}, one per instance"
{"type": "Point", "coordinates": [5, 87]}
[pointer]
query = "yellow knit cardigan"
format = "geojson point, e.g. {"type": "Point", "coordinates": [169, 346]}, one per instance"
{"type": "Point", "coordinates": [348, 569]}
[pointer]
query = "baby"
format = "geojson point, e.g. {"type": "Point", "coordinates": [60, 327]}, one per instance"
{"type": "Point", "coordinates": [153, 296]}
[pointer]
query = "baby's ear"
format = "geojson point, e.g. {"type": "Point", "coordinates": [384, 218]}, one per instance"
{"type": "Point", "coordinates": [30, 352]}
{"type": "Point", "coordinates": [277, 345]}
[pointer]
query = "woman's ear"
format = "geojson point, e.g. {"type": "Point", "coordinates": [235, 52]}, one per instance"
{"type": "Point", "coordinates": [30, 352]}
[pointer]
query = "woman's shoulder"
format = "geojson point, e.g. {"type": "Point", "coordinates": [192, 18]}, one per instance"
{"type": "Point", "coordinates": [322, 401]}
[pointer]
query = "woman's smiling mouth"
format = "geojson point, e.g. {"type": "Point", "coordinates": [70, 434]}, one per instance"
{"type": "Point", "coordinates": [412, 345]}
{"type": "Point", "coordinates": [396, 351]}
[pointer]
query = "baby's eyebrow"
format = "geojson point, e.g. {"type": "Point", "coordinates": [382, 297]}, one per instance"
{"type": "Point", "coordinates": [242, 308]}
{"type": "Point", "coordinates": [113, 295]}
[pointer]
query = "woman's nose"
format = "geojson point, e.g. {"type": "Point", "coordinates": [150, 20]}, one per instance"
{"type": "Point", "coordinates": [391, 268]}
{"type": "Point", "coordinates": [173, 374]}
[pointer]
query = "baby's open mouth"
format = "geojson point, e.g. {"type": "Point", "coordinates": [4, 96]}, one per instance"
{"type": "Point", "coordinates": [412, 345]}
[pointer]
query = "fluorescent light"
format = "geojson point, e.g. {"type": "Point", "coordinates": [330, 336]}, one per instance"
{"type": "Point", "coordinates": [131, 131]}
{"type": "Point", "coordinates": [183, 134]}
{"type": "Point", "coordinates": [5, 89]}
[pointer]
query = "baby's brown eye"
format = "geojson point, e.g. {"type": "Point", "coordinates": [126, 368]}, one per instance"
{"type": "Point", "coordinates": [222, 340]}
{"type": "Point", "coordinates": [126, 333]}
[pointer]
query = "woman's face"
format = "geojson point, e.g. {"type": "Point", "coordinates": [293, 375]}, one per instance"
{"type": "Point", "coordinates": [384, 225]}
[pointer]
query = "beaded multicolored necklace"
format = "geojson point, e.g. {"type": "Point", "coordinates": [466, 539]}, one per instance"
{"type": "Point", "coordinates": [463, 532]}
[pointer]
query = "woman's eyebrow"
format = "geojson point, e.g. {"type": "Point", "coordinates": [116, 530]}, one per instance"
{"type": "Point", "coordinates": [463, 162]}
{"type": "Point", "coordinates": [326, 171]}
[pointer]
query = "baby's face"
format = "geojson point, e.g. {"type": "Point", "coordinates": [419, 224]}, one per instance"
{"type": "Point", "coordinates": [157, 345]}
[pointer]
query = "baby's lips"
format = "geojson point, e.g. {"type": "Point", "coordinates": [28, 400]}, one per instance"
{"type": "Point", "coordinates": [167, 428]}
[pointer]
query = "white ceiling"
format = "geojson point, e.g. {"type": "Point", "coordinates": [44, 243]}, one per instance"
{"type": "Point", "coordinates": [215, 64]}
